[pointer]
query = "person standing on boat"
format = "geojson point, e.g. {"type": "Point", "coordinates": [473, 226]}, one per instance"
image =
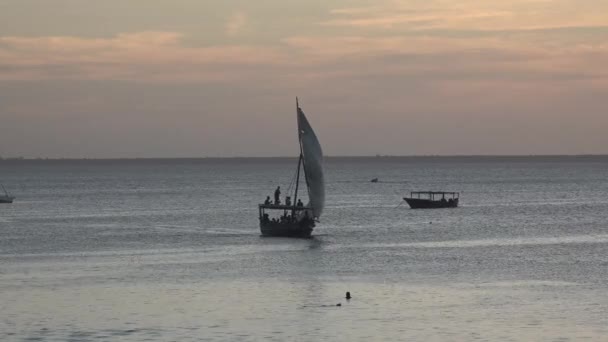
{"type": "Point", "coordinates": [277, 196]}
{"type": "Point", "coordinates": [300, 204]}
{"type": "Point", "coordinates": [267, 201]}
{"type": "Point", "coordinates": [287, 200]}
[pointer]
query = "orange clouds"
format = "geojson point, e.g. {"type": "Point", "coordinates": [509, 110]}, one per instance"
{"type": "Point", "coordinates": [472, 15]}
{"type": "Point", "coordinates": [158, 56]}
{"type": "Point", "coordinates": [134, 56]}
{"type": "Point", "coordinates": [236, 23]}
{"type": "Point", "coordinates": [491, 41]}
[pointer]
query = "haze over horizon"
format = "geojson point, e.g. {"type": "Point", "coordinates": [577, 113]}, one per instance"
{"type": "Point", "coordinates": [189, 78]}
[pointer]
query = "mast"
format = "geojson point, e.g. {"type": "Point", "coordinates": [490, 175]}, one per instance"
{"type": "Point", "coordinates": [295, 197]}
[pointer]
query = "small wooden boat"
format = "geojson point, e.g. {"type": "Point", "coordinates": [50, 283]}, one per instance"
{"type": "Point", "coordinates": [6, 198]}
{"type": "Point", "coordinates": [432, 199]}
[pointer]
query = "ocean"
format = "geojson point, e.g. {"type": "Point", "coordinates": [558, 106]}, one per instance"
{"type": "Point", "coordinates": [170, 250]}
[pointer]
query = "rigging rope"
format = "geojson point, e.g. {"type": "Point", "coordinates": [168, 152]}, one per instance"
{"type": "Point", "coordinates": [292, 183]}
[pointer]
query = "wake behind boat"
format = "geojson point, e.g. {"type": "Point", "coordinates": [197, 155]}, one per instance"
{"type": "Point", "coordinates": [294, 219]}
{"type": "Point", "coordinates": [6, 198]}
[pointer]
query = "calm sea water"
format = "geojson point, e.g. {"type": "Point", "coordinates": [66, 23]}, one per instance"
{"type": "Point", "coordinates": [169, 250]}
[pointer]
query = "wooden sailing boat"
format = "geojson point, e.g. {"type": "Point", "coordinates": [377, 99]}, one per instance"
{"type": "Point", "coordinates": [299, 220]}
{"type": "Point", "coordinates": [6, 198]}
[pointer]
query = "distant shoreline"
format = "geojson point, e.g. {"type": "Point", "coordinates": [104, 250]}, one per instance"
{"type": "Point", "coordinates": [443, 157]}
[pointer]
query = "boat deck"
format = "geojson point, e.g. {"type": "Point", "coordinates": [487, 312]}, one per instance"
{"type": "Point", "coordinates": [283, 207]}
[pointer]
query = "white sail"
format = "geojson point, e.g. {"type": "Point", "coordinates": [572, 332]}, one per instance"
{"type": "Point", "coordinates": [313, 165]}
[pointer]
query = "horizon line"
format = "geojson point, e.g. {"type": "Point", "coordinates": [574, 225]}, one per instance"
{"type": "Point", "coordinates": [328, 156]}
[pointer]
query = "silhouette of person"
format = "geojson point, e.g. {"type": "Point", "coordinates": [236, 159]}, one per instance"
{"type": "Point", "coordinates": [300, 204]}
{"type": "Point", "coordinates": [306, 218]}
{"type": "Point", "coordinates": [287, 200]}
{"type": "Point", "coordinates": [277, 195]}
{"type": "Point", "coordinates": [267, 201]}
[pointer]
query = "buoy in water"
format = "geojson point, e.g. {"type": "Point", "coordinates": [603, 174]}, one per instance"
{"type": "Point", "coordinates": [348, 295]}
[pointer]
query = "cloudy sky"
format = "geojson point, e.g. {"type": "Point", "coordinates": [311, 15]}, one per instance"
{"type": "Point", "coordinates": [194, 78]}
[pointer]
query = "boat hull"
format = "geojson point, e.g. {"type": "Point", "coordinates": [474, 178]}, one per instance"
{"type": "Point", "coordinates": [6, 199]}
{"type": "Point", "coordinates": [418, 203]}
{"type": "Point", "coordinates": [302, 229]}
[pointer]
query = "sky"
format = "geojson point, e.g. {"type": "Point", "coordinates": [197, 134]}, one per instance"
{"type": "Point", "coordinates": [202, 78]}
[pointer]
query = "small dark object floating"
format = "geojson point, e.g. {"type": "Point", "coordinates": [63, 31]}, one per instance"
{"type": "Point", "coordinates": [375, 180]}
{"type": "Point", "coordinates": [348, 295]}
{"type": "Point", "coordinates": [6, 198]}
{"type": "Point", "coordinates": [428, 199]}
